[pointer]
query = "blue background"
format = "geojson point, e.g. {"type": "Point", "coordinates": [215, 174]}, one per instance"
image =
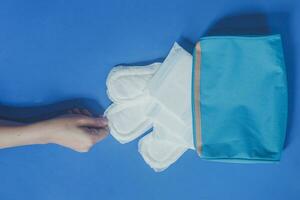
{"type": "Point", "coordinates": [55, 55]}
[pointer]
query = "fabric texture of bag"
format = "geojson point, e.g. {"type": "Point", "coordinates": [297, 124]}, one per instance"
{"type": "Point", "coordinates": [239, 98]}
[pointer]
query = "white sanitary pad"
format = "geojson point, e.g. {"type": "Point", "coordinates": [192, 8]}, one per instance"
{"type": "Point", "coordinates": [158, 96]}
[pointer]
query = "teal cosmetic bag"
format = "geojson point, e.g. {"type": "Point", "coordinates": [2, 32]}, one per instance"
{"type": "Point", "coordinates": [239, 98]}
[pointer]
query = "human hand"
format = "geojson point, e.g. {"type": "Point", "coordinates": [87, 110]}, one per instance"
{"type": "Point", "coordinates": [77, 130]}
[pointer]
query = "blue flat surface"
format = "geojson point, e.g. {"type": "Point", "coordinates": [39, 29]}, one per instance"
{"type": "Point", "coordinates": [55, 55]}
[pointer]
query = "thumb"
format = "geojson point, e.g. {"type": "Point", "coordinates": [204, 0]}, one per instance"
{"type": "Point", "coordinates": [102, 133]}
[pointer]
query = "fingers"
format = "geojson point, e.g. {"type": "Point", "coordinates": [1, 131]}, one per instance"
{"type": "Point", "coordinates": [93, 139]}
{"type": "Point", "coordinates": [86, 112]}
{"type": "Point", "coordinates": [101, 134]}
{"type": "Point", "coordinates": [96, 127]}
{"type": "Point", "coordinates": [87, 120]}
{"type": "Point", "coordinates": [80, 112]}
{"type": "Point", "coordinates": [76, 111]}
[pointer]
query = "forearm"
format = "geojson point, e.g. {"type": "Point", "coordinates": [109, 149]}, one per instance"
{"type": "Point", "coordinates": [76, 131]}
{"type": "Point", "coordinates": [15, 134]}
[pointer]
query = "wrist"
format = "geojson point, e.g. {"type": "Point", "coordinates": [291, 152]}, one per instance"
{"type": "Point", "coordinates": [38, 133]}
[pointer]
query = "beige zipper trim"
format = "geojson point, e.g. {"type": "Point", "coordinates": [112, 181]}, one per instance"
{"type": "Point", "coordinates": [196, 88]}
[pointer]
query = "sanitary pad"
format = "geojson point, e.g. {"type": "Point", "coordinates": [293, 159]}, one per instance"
{"type": "Point", "coordinates": [158, 96]}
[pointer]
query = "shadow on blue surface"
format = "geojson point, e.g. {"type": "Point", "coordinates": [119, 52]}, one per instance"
{"type": "Point", "coordinates": [252, 23]}
{"type": "Point", "coordinates": [36, 113]}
